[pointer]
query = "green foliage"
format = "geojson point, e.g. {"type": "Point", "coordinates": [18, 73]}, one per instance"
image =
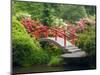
{"type": "Point", "coordinates": [55, 60]}
{"type": "Point", "coordinates": [90, 10]}
{"type": "Point", "coordinates": [20, 15]}
{"type": "Point", "coordinates": [35, 9]}
{"type": "Point", "coordinates": [72, 13]}
{"type": "Point", "coordinates": [93, 17]}
{"type": "Point", "coordinates": [53, 52]}
{"type": "Point", "coordinates": [51, 49]}
{"type": "Point", "coordinates": [26, 50]}
{"type": "Point", "coordinates": [87, 41]}
{"type": "Point", "coordinates": [45, 11]}
{"type": "Point", "coordinates": [50, 11]}
{"type": "Point", "coordinates": [55, 21]}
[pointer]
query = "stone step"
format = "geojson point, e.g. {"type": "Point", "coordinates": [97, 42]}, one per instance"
{"type": "Point", "coordinates": [74, 50]}
{"type": "Point", "coordinates": [74, 55]}
{"type": "Point", "coordinates": [68, 47]}
{"type": "Point", "coordinates": [72, 47]}
{"type": "Point", "coordinates": [71, 50]}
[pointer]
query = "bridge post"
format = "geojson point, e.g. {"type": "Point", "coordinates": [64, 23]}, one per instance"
{"type": "Point", "coordinates": [55, 35]}
{"type": "Point", "coordinates": [36, 34]}
{"type": "Point", "coordinates": [46, 33]}
{"type": "Point", "coordinates": [65, 39]}
{"type": "Point", "coordinates": [73, 37]}
{"type": "Point", "coordinates": [73, 40]}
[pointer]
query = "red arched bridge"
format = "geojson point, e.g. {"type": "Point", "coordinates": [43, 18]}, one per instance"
{"type": "Point", "coordinates": [64, 38]}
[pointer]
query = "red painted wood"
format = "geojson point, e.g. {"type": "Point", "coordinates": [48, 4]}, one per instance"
{"type": "Point", "coordinates": [37, 29]}
{"type": "Point", "coordinates": [46, 33]}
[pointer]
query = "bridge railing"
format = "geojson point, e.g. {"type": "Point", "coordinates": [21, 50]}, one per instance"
{"type": "Point", "coordinates": [60, 33]}
{"type": "Point", "coordinates": [40, 31]}
{"type": "Point", "coordinates": [45, 32]}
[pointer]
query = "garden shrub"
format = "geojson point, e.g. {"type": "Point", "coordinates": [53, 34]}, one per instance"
{"type": "Point", "coordinates": [51, 49]}
{"type": "Point", "coordinates": [26, 50]}
{"type": "Point", "coordinates": [53, 52]}
{"type": "Point", "coordinates": [87, 41]}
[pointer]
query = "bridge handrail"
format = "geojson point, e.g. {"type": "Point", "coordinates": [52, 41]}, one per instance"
{"type": "Point", "coordinates": [45, 29]}
{"type": "Point", "coordinates": [63, 32]}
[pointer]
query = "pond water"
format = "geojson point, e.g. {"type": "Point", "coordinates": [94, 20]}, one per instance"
{"type": "Point", "coordinates": [68, 65]}
{"type": "Point", "coordinates": [44, 68]}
